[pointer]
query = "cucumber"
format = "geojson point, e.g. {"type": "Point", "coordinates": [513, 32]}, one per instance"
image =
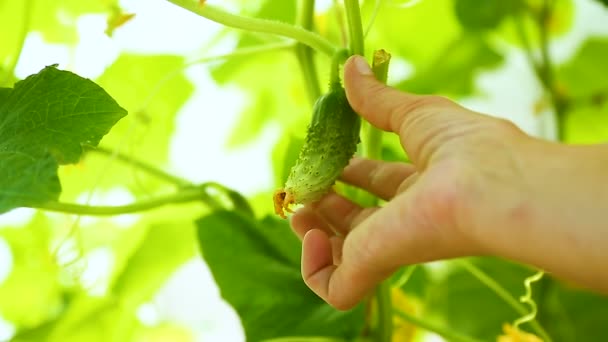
{"type": "Point", "coordinates": [331, 141]}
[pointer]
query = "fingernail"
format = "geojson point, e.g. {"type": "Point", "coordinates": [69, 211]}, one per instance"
{"type": "Point", "coordinates": [362, 66]}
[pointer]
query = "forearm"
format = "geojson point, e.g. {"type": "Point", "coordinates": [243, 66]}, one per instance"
{"type": "Point", "coordinates": [560, 221]}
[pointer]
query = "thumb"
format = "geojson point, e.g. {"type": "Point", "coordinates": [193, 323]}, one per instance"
{"type": "Point", "coordinates": [418, 119]}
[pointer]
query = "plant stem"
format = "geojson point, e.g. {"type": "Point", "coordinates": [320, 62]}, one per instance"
{"type": "Point", "coordinates": [502, 293]}
{"type": "Point", "coordinates": [237, 201]}
{"type": "Point", "coordinates": [257, 25]}
{"type": "Point", "coordinates": [548, 77]}
{"type": "Point", "coordinates": [373, 135]}
{"type": "Point", "coordinates": [446, 333]}
{"type": "Point", "coordinates": [304, 53]}
{"type": "Point", "coordinates": [355, 28]}
{"type": "Point", "coordinates": [336, 60]}
{"type": "Point", "coordinates": [179, 182]}
{"type": "Point", "coordinates": [373, 150]}
{"type": "Point", "coordinates": [27, 15]}
{"type": "Point", "coordinates": [185, 195]}
{"type": "Point", "coordinates": [544, 68]}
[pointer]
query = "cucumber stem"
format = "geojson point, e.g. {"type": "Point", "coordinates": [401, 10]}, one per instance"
{"type": "Point", "coordinates": [337, 59]}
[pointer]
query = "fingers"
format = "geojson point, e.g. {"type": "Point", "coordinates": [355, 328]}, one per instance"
{"type": "Point", "coordinates": [305, 219]}
{"type": "Point", "coordinates": [382, 179]}
{"type": "Point", "coordinates": [402, 232]}
{"type": "Point", "coordinates": [343, 285]}
{"type": "Point", "coordinates": [417, 119]}
{"type": "Point", "coordinates": [333, 214]}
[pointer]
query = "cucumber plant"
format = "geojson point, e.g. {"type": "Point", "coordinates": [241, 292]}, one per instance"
{"type": "Point", "coordinates": [55, 118]}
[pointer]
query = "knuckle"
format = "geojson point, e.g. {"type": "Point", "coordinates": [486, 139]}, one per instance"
{"type": "Point", "coordinates": [415, 107]}
{"type": "Point", "coordinates": [367, 104]}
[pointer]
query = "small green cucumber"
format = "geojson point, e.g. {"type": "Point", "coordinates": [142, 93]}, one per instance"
{"type": "Point", "coordinates": [331, 141]}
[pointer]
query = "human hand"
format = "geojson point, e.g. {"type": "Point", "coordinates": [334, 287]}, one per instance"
{"type": "Point", "coordinates": [472, 185]}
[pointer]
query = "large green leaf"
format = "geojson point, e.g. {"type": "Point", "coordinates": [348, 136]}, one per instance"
{"type": "Point", "coordinates": [257, 267]}
{"type": "Point", "coordinates": [44, 121]}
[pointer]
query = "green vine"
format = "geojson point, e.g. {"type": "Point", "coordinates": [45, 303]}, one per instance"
{"type": "Point", "coordinates": [527, 298]}
{"type": "Point", "coordinates": [301, 35]}
{"type": "Point", "coordinates": [160, 174]}
{"type": "Point", "coordinates": [502, 293]}
{"type": "Point", "coordinates": [183, 196]}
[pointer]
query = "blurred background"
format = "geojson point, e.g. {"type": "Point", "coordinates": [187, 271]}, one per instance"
{"type": "Point", "coordinates": [211, 103]}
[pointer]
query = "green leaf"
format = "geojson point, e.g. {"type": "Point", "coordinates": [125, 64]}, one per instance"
{"type": "Point", "coordinates": [44, 121]}
{"type": "Point", "coordinates": [574, 314]}
{"type": "Point", "coordinates": [417, 33]}
{"type": "Point", "coordinates": [455, 69]}
{"type": "Point", "coordinates": [587, 124]}
{"type": "Point", "coordinates": [459, 298]}
{"type": "Point", "coordinates": [284, 11]}
{"type": "Point", "coordinates": [478, 15]}
{"type": "Point", "coordinates": [163, 249]}
{"type": "Point", "coordinates": [257, 267]}
{"type": "Point", "coordinates": [45, 15]}
{"type": "Point", "coordinates": [280, 97]}
{"type": "Point", "coordinates": [586, 74]}
{"type": "Point", "coordinates": [152, 88]}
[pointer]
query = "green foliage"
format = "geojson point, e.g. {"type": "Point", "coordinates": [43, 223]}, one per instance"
{"type": "Point", "coordinates": [484, 15]}
{"type": "Point", "coordinates": [257, 267]}
{"type": "Point", "coordinates": [460, 298]}
{"type": "Point", "coordinates": [45, 120]}
{"type": "Point", "coordinates": [152, 88]}
{"type": "Point", "coordinates": [453, 72]}
{"type": "Point", "coordinates": [577, 77]}
{"type": "Point", "coordinates": [35, 274]}
{"type": "Point", "coordinates": [605, 2]}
